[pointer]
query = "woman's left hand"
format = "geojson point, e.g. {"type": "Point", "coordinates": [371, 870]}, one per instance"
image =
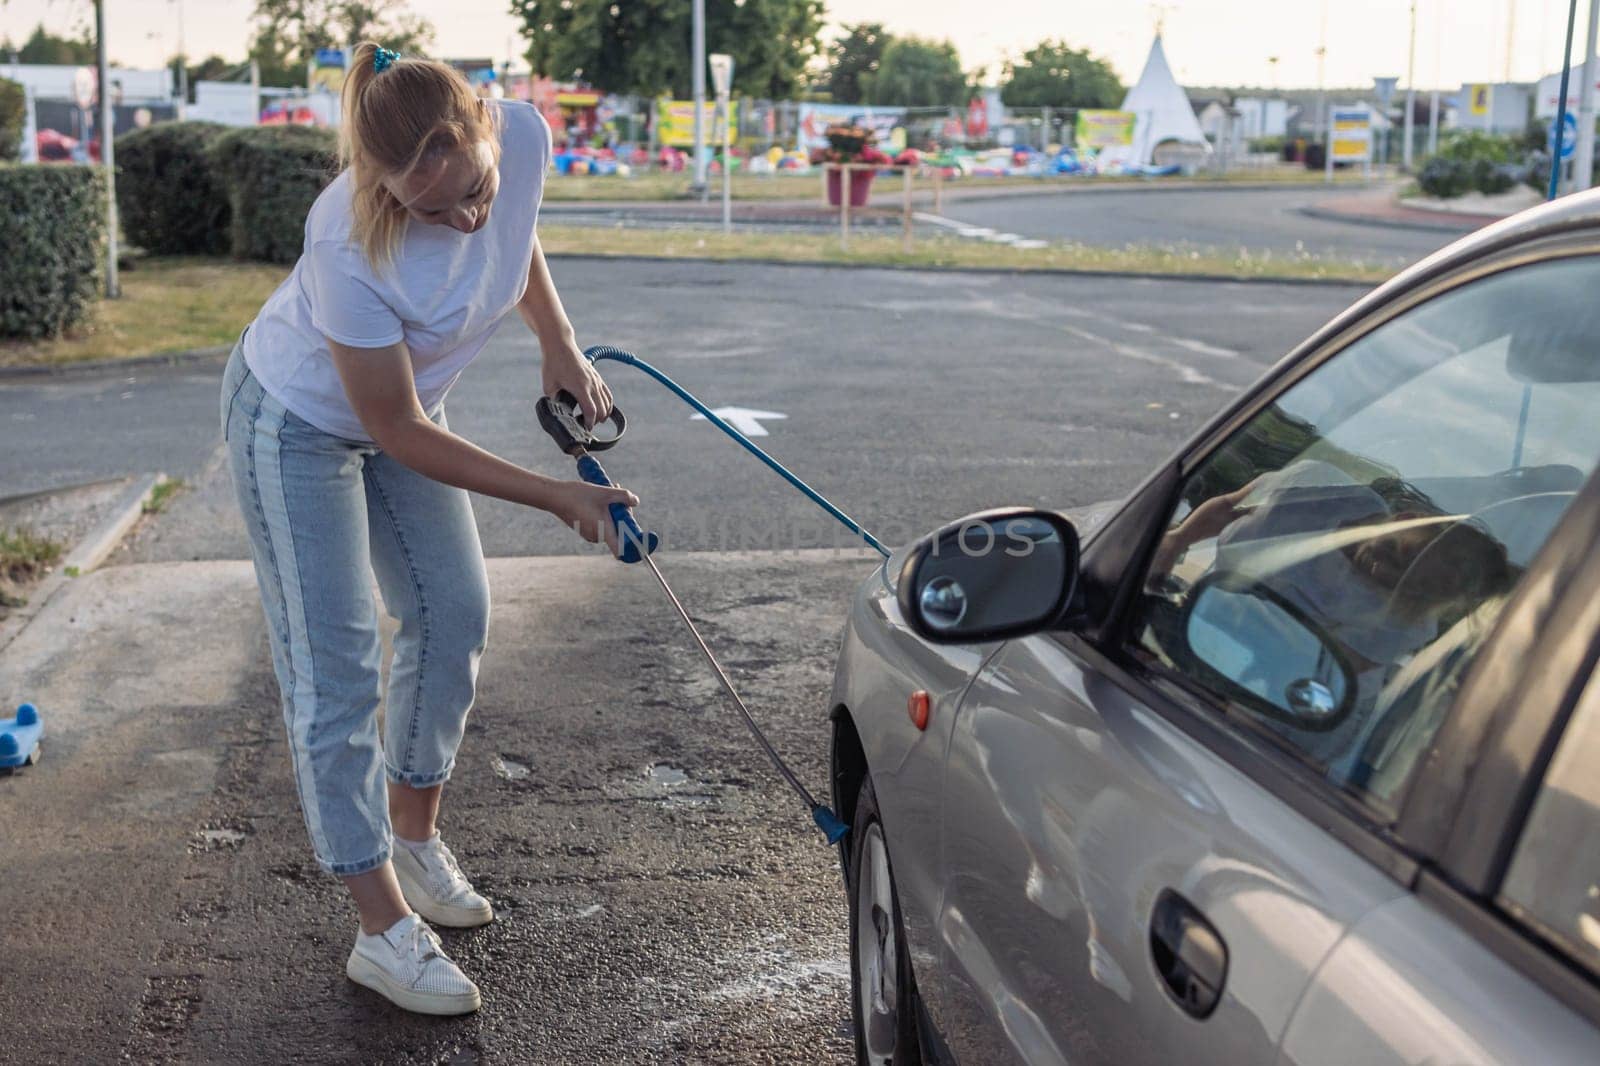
{"type": "Point", "coordinates": [566, 368]}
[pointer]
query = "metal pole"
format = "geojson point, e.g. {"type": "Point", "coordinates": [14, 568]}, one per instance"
{"type": "Point", "coordinates": [1583, 158]}
{"type": "Point", "coordinates": [107, 152]}
{"type": "Point", "coordinates": [727, 166]}
{"type": "Point", "coordinates": [1433, 124]}
{"type": "Point", "coordinates": [699, 64]}
{"type": "Point", "coordinates": [1561, 103]}
{"type": "Point", "coordinates": [183, 67]}
{"type": "Point", "coordinates": [1411, 92]}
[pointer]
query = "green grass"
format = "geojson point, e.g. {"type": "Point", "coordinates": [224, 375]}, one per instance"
{"type": "Point", "coordinates": [877, 248]}
{"type": "Point", "coordinates": [167, 305]}
{"type": "Point", "coordinates": [162, 494]}
{"type": "Point", "coordinates": [25, 555]}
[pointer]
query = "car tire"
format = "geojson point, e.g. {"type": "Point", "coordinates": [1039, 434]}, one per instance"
{"type": "Point", "coordinates": [882, 992]}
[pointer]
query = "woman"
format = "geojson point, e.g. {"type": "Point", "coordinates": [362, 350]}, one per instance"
{"type": "Point", "coordinates": [332, 409]}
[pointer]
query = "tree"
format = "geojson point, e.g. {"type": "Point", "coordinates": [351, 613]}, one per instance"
{"type": "Point", "coordinates": [643, 46]}
{"type": "Point", "coordinates": [1052, 74]}
{"type": "Point", "coordinates": [917, 73]}
{"type": "Point", "coordinates": [212, 68]}
{"type": "Point", "coordinates": [13, 117]}
{"type": "Point", "coordinates": [289, 32]}
{"type": "Point", "coordinates": [852, 59]}
{"type": "Point", "coordinates": [46, 47]}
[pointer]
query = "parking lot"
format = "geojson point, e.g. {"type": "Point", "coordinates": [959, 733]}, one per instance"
{"type": "Point", "coordinates": [661, 896]}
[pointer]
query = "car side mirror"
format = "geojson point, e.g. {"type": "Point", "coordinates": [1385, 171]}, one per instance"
{"type": "Point", "coordinates": [1256, 649]}
{"type": "Point", "coordinates": [991, 576]}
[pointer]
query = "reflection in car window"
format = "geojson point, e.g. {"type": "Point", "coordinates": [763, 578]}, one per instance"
{"type": "Point", "coordinates": [1330, 571]}
{"type": "Point", "coordinates": [1553, 884]}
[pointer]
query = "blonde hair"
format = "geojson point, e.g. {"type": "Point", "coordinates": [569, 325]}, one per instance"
{"type": "Point", "coordinates": [411, 113]}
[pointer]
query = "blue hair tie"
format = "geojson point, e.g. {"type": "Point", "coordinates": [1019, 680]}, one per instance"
{"type": "Point", "coordinates": [383, 59]}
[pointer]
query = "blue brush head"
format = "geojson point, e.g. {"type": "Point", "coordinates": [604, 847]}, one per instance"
{"type": "Point", "coordinates": [27, 714]}
{"type": "Point", "coordinates": [829, 823]}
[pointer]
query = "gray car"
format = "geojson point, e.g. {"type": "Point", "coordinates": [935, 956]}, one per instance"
{"type": "Point", "coordinates": [1293, 755]}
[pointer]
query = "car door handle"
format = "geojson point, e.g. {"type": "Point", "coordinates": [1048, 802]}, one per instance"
{"type": "Point", "coordinates": [1189, 954]}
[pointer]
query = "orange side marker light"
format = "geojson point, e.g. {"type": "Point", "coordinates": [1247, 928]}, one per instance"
{"type": "Point", "coordinates": [917, 708]}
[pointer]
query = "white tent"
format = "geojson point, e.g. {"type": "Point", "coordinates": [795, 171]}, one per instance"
{"type": "Point", "coordinates": [1162, 109]}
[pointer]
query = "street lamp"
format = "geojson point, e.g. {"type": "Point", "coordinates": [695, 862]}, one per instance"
{"type": "Point", "coordinates": [1411, 91]}
{"type": "Point", "coordinates": [698, 65]}
{"type": "Point", "coordinates": [107, 137]}
{"type": "Point", "coordinates": [183, 66]}
{"type": "Point", "coordinates": [722, 80]}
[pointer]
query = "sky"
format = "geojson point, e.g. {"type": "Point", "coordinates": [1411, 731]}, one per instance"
{"type": "Point", "coordinates": [1209, 42]}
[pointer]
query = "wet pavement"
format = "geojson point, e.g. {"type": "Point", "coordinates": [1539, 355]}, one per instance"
{"type": "Point", "coordinates": [661, 896]}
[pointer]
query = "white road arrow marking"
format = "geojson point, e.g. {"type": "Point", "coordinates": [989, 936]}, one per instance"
{"type": "Point", "coordinates": [743, 419]}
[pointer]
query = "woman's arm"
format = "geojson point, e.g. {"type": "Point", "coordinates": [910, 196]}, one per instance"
{"type": "Point", "coordinates": [564, 364]}
{"type": "Point", "coordinates": [383, 394]}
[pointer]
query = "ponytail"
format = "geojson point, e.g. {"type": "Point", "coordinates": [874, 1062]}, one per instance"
{"type": "Point", "coordinates": [411, 112]}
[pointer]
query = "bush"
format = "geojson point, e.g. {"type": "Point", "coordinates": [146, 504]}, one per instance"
{"type": "Point", "coordinates": [169, 196]}
{"type": "Point", "coordinates": [1471, 146]}
{"type": "Point", "coordinates": [1445, 178]}
{"type": "Point", "coordinates": [1491, 178]}
{"type": "Point", "coordinates": [52, 224]}
{"type": "Point", "coordinates": [13, 117]}
{"type": "Point", "coordinates": [273, 174]}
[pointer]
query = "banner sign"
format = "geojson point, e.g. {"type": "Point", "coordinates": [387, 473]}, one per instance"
{"type": "Point", "coordinates": [1105, 129]}
{"type": "Point", "coordinates": [675, 122]}
{"type": "Point", "coordinates": [327, 71]}
{"type": "Point", "coordinates": [1352, 135]}
{"type": "Point", "coordinates": [816, 118]}
{"type": "Point", "coordinates": [1478, 99]}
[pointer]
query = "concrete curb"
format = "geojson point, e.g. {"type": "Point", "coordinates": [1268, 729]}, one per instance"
{"type": "Point", "coordinates": [88, 554]}
{"type": "Point", "coordinates": [1418, 225]}
{"type": "Point", "coordinates": [1131, 275]}
{"type": "Point", "coordinates": [96, 366]}
{"type": "Point", "coordinates": [953, 195]}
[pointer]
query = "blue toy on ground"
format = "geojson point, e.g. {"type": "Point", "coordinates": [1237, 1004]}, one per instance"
{"type": "Point", "coordinates": [19, 737]}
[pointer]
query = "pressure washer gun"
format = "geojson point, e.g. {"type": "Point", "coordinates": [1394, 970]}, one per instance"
{"type": "Point", "coordinates": [562, 418]}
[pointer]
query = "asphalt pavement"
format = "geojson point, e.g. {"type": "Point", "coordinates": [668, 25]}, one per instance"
{"type": "Point", "coordinates": [908, 398]}
{"type": "Point", "coordinates": [1261, 220]}
{"type": "Point", "coordinates": [661, 896]}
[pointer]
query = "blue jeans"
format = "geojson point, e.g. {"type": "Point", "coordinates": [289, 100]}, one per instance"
{"type": "Point", "coordinates": [324, 514]}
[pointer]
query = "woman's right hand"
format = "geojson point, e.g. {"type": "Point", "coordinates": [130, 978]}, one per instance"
{"type": "Point", "coordinates": [585, 508]}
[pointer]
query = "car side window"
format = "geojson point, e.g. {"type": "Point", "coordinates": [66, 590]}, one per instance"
{"type": "Point", "coordinates": [1330, 571]}
{"type": "Point", "coordinates": [1553, 884]}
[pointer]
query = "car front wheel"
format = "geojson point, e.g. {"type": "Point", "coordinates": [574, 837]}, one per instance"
{"type": "Point", "coordinates": [884, 995]}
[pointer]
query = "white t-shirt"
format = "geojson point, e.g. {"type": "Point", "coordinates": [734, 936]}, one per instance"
{"type": "Point", "coordinates": [443, 295]}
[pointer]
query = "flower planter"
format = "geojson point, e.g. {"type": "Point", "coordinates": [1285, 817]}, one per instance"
{"type": "Point", "coordinates": [860, 187]}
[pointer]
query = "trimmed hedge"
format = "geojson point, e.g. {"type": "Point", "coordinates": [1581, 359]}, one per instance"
{"type": "Point", "coordinates": [13, 117]}
{"type": "Point", "coordinates": [273, 174]}
{"type": "Point", "coordinates": [52, 226]}
{"type": "Point", "coordinates": [169, 197]}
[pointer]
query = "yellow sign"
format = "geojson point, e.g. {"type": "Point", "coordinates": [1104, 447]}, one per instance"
{"type": "Point", "coordinates": [1352, 135]}
{"type": "Point", "coordinates": [1478, 98]}
{"type": "Point", "coordinates": [1105, 129]}
{"type": "Point", "coordinates": [675, 122]}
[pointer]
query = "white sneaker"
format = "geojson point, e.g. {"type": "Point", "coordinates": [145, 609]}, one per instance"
{"type": "Point", "coordinates": [436, 888]}
{"type": "Point", "coordinates": [407, 965]}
